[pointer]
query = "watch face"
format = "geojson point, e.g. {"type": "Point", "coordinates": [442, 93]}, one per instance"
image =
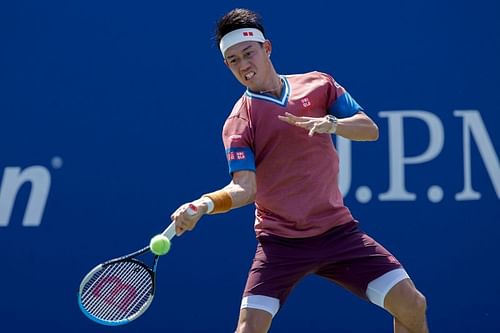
{"type": "Point", "coordinates": [331, 118]}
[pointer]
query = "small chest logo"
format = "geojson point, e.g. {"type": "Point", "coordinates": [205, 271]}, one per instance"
{"type": "Point", "coordinates": [305, 102]}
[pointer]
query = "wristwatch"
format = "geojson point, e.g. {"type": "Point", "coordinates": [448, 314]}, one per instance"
{"type": "Point", "coordinates": [333, 121]}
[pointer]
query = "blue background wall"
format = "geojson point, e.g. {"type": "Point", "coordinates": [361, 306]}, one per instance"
{"type": "Point", "coordinates": [121, 104]}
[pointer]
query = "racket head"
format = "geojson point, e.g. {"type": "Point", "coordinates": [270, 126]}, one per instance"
{"type": "Point", "coordinates": [117, 292]}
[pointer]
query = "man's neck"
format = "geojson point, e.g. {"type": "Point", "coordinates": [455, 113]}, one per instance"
{"type": "Point", "coordinates": [275, 87]}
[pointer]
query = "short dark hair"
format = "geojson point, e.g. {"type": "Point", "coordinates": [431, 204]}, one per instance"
{"type": "Point", "coordinates": [237, 19]}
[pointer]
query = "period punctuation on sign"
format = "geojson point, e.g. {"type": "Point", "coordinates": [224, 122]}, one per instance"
{"type": "Point", "coordinates": [56, 162]}
{"type": "Point", "coordinates": [363, 194]}
{"type": "Point", "coordinates": [435, 193]}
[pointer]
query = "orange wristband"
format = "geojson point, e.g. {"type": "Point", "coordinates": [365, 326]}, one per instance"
{"type": "Point", "coordinates": [222, 201]}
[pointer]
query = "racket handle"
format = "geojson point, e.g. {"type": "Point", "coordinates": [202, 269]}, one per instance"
{"type": "Point", "coordinates": [170, 231]}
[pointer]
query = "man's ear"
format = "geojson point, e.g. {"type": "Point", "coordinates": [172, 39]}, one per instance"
{"type": "Point", "coordinates": [268, 47]}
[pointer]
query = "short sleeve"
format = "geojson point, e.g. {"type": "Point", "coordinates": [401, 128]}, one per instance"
{"type": "Point", "coordinates": [340, 103]}
{"type": "Point", "coordinates": [238, 143]}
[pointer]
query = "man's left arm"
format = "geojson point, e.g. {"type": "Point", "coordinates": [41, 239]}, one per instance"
{"type": "Point", "coordinates": [358, 127]}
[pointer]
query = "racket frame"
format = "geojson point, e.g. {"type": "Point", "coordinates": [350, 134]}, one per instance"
{"type": "Point", "coordinates": [169, 232]}
{"type": "Point", "coordinates": [127, 258]}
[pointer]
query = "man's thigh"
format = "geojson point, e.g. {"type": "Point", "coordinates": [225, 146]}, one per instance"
{"type": "Point", "coordinates": [356, 260]}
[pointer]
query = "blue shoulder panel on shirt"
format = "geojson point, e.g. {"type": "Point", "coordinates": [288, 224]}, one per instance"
{"type": "Point", "coordinates": [345, 106]}
{"type": "Point", "coordinates": [240, 158]}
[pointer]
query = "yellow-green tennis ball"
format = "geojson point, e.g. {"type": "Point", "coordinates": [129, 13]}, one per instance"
{"type": "Point", "coordinates": [159, 245]}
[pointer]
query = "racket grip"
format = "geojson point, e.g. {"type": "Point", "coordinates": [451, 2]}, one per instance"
{"type": "Point", "coordinates": [170, 231]}
{"type": "Point", "coordinates": [192, 210]}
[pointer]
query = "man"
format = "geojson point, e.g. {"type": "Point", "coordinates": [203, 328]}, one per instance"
{"type": "Point", "coordinates": [281, 156]}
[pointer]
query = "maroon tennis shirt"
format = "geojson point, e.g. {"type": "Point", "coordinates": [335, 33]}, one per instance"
{"type": "Point", "coordinates": [298, 193]}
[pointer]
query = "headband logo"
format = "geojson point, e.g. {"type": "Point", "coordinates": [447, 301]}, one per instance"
{"type": "Point", "coordinates": [240, 35]}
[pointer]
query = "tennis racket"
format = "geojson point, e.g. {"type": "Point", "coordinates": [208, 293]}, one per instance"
{"type": "Point", "coordinates": [120, 290]}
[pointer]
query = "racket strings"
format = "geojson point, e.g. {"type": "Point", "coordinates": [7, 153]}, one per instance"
{"type": "Point", "coordinates": [123, 289]}
{"type": "Point", "coordinates": [107, 303]}
{"type": "Point", "coordinates": [143, 287]}
{"type": "Point", "coordinates": [92, 299]}
{"type": "Point", "coordinates": [118, 291]}
{"type": "Point", "coordinates": [118, 301]}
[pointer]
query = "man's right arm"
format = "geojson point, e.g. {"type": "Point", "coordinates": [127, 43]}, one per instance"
{"type": "Point", "coordinates": [241, 189]}
{"type": "Point", "coordinates": [240, 192]}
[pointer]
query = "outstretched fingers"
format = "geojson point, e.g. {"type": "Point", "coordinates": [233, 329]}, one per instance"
{"type": "Point", "coordinates": [313, 129]}
{"type": "Point", "coordinates": [307, 123]}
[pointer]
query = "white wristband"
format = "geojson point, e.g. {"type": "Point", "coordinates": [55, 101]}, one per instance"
{"type": "Point", "coordinates": [209, 203]}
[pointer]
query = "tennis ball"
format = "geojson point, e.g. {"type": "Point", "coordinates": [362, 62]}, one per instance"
{"type": "Point", "coordinates": [159, 245]}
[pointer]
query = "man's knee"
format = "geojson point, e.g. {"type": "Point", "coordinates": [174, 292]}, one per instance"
{"type": "Point", "coordinates": [404, 299]}
{"type": "Point", "coordinates": [250, 327]}
{"type": "Point", "coordinates": [414, 301]}
{"type": "Point", "coordinates": [420, 303]}
{"type": "Point", "coordinates": [254, 321]}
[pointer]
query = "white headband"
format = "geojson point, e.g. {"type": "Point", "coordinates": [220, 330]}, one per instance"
{"type": "Point", "coordinates": [238, 36]}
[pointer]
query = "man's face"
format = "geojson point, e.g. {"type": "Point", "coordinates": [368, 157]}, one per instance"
{"type": "Point", "coordinates": [250, 64]}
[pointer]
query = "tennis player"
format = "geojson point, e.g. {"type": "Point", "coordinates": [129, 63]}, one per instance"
{"type": "Point", "coordinates": [282, 158]}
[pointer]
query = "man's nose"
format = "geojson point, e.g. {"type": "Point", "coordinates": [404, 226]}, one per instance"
{"type": "Point", "coordinates": [244, 65]}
